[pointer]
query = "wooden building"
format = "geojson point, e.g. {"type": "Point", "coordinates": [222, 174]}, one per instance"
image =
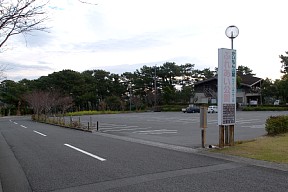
{"type": "Point", "coordinates": [248, 90]}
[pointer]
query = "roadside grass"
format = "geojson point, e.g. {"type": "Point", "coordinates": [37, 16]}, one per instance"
{"type": "Point", "coordinates": [267, 148]}
{"type": "Point", "coordinates": [80, 113]}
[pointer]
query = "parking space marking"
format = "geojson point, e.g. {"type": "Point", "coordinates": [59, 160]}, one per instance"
{"type": "Point", "coordinates": [118, 127]}
{"type": "Point", "coordinates": [246, 121]}
{"type": "Point", "coordinates": [23, 126]}
{"type": "Point", "coordinates": [157, 132]}
{"type": "Point", "coordinates": [262, 126]}
{"type": "Point", "coordinates": [119, 130]}
{"type": "Point", "coordinates": [85, 152]}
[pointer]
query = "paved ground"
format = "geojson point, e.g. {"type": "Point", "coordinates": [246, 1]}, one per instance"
{"type": "Point", "coordinates": [178, 128]}
{"type": "Point", "coordinates": [40, 157]}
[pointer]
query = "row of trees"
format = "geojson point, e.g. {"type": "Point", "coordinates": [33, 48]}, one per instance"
{"type": "Point", "coordinates": [147, 87]}
{"type": "Point", "coordinates": [278, 89]}
{"type": "Point", "coordinates": [100, 90]}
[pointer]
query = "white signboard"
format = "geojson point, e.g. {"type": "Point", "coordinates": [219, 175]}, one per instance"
{"type": "Point", "coordinates": [227, 86]}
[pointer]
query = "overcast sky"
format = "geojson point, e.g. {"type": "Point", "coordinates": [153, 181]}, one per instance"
{"type": "Point", "coordinates": [123, 35]}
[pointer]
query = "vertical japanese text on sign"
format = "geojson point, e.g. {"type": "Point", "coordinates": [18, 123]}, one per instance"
{"type": "Point", "coordinates": [226, 86]}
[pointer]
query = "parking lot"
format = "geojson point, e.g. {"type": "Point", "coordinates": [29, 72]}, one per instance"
{"type": "Point", "coordinates": [179, 128]}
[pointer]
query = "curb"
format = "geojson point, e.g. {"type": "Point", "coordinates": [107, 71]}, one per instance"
{"type": "Point", "coordinates": [67, 127]}
{"type": "Point", "coordinates": [248, 161]}
{"type": "Point", "coordinates": [201, 151]}
{"type": "Point", "coordinates": [12, 176]}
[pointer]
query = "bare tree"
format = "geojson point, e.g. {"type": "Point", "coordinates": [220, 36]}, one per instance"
{"type": "Point", "coordinates": [65, 103]}
{"type": "Point", "coordinates": [137, 102]}
{"type": "Point", "coordinates": [20, 17]}
{"type": "Point", "coordinates": [36, 101]}
{"type": "Point", "coordinates": [43, 102]}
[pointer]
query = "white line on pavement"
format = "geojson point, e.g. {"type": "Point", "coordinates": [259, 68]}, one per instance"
{"type": "Point", "coordinates": [157, 132]}
{"type": "Point", "coordinates": [23, 126]}
{"type": "Point", "coordinates": [39, 133]}
{"type": "Point", "coordinates": [246, 120]}
{"type": "Point", "coordinates": [119, 130]}
{"type": "Point", "coordinates": [160, 130]}
{"type": "Point", "coordinates": [262, 126]}
{"type": "Point", "coordinates": [85, 152]}
{"type": "Point", "coordinates": [15, 123]}
{"type": "Point", "coordinates": [116, 127]}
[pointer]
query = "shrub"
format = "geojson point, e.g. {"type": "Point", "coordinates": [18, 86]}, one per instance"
{"type": "Point", "coordinates": [80, 113]}
{"type": "Point", "coordinates": [265, 108]}
{"type": "Point", "coordinates": [276, 125]}
{"type": "Point", "coordinates": [173, 107]}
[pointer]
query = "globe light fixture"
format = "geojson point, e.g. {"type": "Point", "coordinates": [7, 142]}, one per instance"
{"type": "Point", "coordinates": [232, 32]}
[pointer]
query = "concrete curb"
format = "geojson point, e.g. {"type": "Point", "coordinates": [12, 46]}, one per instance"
{"type": "Point", "coordinates": [201, 151]}
{"type": "Point", "coordinates": [0, 187]}
{"type": "Point", "coordinates": [67, 127]}
{"type": "Point", "coordinates": [150, 143]}
{"type": "Point", "coordinates": [12, 176]}
{"type": "Point", "coordinates": [259, 163]}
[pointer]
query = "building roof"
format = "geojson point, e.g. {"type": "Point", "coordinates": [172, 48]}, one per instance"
{"type": "Point", "coordinates": [249, 80]}
{"type": "Point", "coordinates": [206, 80]}
{"type": "Point", "coordinates": [246, 80]}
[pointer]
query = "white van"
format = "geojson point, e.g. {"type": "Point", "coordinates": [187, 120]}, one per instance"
{"type": "Point", "coordinates": [212, 109]}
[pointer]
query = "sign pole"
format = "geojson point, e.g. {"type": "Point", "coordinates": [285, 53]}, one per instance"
{"type": "Point", "coordinates": [226, 96]}
{"type": "Point", "coordinates": [221, 136]}
{"type": "Point", "coordinates": [231, 135]}
{"type": "Point", "coordinates": [227, 90]}
{"type": "Point", "coordinates": [226, 135]}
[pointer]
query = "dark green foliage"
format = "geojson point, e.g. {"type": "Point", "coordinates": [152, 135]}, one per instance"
{"type": "Point", "coordinates": [284, 61]}
{"type": "Point", "coordinates": [265, 108]}
{"type": "Point", "coordinates": [276, 125]}
{"type": "Point", "coordinates": [244, 70]}
{"type": "Point", "coordinates": [113, 103]}
{"type": "Point", "coordinates": [173, 107]}
{"type": "Point", "coordinates": [150, 86]}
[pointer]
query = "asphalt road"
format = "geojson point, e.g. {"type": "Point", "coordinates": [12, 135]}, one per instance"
{"type": "Point", "coordinates": [177, 128]}
{"type": "Point", "coordinates": [40, 157]}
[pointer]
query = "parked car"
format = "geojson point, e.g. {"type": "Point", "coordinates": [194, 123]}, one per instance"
{"type": "Point", "coordinates": [212, 109]}
{"type": "Point", "coordinates": [184, 110]}
{"type": "Point", "coordinates": [253, 102]}
{"type": "Point", "coordinates": [193, 109]}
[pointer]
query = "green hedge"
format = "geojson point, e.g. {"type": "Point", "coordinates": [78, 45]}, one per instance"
{"type": "Point", "coordinates": [80, 113]}
{"type": "Point", "coordinates": [265, 108]}
{"type": "Point", "coordinates": [173, 107]}
{"type": "Point", "coordinates": [276, 125]}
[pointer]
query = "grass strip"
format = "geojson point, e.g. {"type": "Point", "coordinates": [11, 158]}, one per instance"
{"type": "Point", "coordinates": [267, 148]}
{"type": "Point", "coordinates": [80, 113]}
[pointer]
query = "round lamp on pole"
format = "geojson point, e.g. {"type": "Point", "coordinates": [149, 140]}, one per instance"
{"type": "Point", "coordinates": [232, 32]}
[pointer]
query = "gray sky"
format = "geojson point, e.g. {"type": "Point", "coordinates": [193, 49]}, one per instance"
{"type": "Point", "coordinates": [124, 35]}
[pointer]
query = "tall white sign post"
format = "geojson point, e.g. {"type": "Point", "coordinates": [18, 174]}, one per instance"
{"type": "Point", "coordinates": [227, 78]}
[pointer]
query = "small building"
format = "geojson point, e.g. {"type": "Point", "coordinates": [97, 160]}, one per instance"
{"type": "Point", "coordinates": [248, 90]}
